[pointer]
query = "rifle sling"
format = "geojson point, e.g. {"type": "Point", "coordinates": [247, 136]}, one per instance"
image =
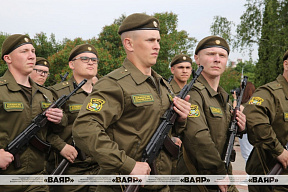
{"type": "Point", "coordinates": [171, 147]}
{"type": "Point", "coordinates": [40, 145]}
{"type": "Point", "coordinates": [192, 170]}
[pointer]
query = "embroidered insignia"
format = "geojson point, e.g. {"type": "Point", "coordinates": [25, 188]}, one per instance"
{"type": "Point", "coordinates": [13, 105]}
{"type": "Point", "coordinates": [142, 98]}
{"type": "Point", "coordinates": [216, 110]}
{"type": "Point", "coordinates": [194, 111]}
{"type": "Point", "coordinates": [256, 101]}
{"type": "Point", "coordinates": [95, 105]}
{"type": "Point", "coordinates": [155, 24]}
{"type": "Point", "coordinates": [75, 107]}
{"type": "Point", "coordinates": [286, 116]}
{"type": "Point", "coordinates": [45, 105]}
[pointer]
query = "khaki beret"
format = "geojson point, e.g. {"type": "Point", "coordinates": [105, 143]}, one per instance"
{"type": "Point", "coordinates": [212, 41]}
{"type": "Point", "coordinates": [83, 48]}
{"type": "Point", "coordinates": [14, 41]}
{"type": "Point", "coordinates": [285, 56]}
{"type": "Point", "coordinates": [180, 59]}
{"type": "Point", "coordinates": [42, 61]}
{"type": "Point", "coordinates": [139, 21]}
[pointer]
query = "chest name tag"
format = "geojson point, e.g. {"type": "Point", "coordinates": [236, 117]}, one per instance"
{"type": "Point", "coordinates": [76, 107]}
{"type": "Point", "coordinates": [286, 116]}
{"type": "Point", "coordinates": [45, 105]}
{"type": "Point", "coordinates": [13, 105]}
{"type": "Point", "coordinates": [216, 110]}
{"type": "Point", "coordinates": [142, 98]}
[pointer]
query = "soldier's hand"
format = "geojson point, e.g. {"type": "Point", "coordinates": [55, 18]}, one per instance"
{"type": "Point", "coordinates": [241, 120]}
{"type": "Point", "coordinates": [69, 152]}
{"type": "Point", "coordinates": [54, 115]}
{"type": "Point", "coordinates": [224, 188]}
{"type": "Point", "coordinates": [182, 107]}
{"type": "Point", "coordinates": [177, 141]}
{"type": "Point", "coordinates": [141, 168]}
{"type": "Point", "coordinates": [283, 158]}
{"type": "Point", "coordinates": [5, 159]}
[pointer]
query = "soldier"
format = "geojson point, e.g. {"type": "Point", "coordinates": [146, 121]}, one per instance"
{"type": "Point", "coordinates": [267, 128]}
{"type": "Point", "coordinates": [119, 117]}
{"type": "Point", "coordinates": [83, 61]}
{"type": "Point", "coordinates": [181, 68]}
{"type": "Point", "coordinates": [205, 136]}
{"type": "Point", "coordinates": [21, 100]}
{"type": "Point", "coordinates": [40, 71]}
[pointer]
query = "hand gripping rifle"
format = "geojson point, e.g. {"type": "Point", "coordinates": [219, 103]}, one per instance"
{"type": "Point", "coordinates": [29, 134]}
{"type": "Point", "coordinates": [234, 127]}
{"type": "Point", "coordinates": [156, 143]}
{"type": "Point", "coordinates": [278, 168]}
{"type": "Point", "coordinates": [63, 165]}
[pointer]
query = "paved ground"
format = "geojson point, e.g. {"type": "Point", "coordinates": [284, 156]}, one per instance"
{"type": "Point", "coordinates": [239, 166]}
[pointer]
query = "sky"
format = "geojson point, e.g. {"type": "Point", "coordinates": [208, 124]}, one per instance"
{"type": "Point", "coordinates": [86, 18]}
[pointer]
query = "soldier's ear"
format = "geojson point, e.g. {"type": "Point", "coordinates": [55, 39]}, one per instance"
{"type": "Point", "coordinates": [7, 59]}
{"type": "Point", "coordinates": [128, 44]}
{"type": "Point", "coordinates": [285, 65]}
{"type": "Point", "coordinates": [71, 65]}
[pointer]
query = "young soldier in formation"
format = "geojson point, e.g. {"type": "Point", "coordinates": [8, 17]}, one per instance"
{"type": "Point", "coordinates": [20, 101]}
{"type": "Point", "coordinates": [83, 61]}
{"type": "Point", "coordinates": [121, 114]}
{"type": "Point", "coordinates": [181, 68]}
{"type": "Point", "coordinates": [267, 115]}
{"type": "Point", "coordinates": [40, 71]}
{"type": "Point", "coordinates": [205, 136]}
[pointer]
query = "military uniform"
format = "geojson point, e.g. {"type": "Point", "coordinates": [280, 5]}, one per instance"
{"type": "Point", "coordinates": [266, 114]}
{"type": "Point", "coordinates": [118, 119]}
{"type": "Point", "coordinates": [71, 109]}
{"type": "Point", "coordinates": [205, 136]}
{"type": "Point", "coordinates": [16, 113]}
{"type": "Point", "coordinates": [175, 87]}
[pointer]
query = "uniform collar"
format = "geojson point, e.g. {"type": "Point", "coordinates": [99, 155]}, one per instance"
{"type": "Point", "coordinates": [136, 74]}
{"type": "Point", "coordinates": [211, 91]}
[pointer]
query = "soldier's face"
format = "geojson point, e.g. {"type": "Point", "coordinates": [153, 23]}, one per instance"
{"type": "Point", "coordinates": [37, 76]}
{"type": "Point", "coordinates": [182, 71]}
{"type": "Point", "coordinates": [146, 46]}
{"type": "Point", "coordinates": [84, 69]}
{"type": "Point", "coordinates": [22, 59]}
{"type": "Point", "coordinates": [213, 59]}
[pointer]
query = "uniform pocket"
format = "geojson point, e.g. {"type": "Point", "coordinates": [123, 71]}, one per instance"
{"type": "Point", "coordinates": [142, 99]}
{"type": "Point", "coordinates": [216, 111]}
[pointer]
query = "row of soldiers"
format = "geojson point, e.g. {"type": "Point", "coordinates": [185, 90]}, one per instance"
{"type": "Point", "coordinates": [112, 121]}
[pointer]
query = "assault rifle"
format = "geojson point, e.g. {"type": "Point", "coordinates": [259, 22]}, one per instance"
{"type": "Point", "coordinates": [156, 143]}
{"type": "Point", "coordinates": [234, 127]}
{"type": "Point", "coordinates": [29, 134]}
{"type": "Point", "coordinates": [63, 78]}
{"type": "Point", "coordinates": [170, 78]}
{"type": "Point", "coordinates": [278, 168]}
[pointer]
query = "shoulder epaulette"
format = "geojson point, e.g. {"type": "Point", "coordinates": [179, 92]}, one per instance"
{"type": "Point", "coordinates": [274, 85]}
{"type": "Point", "coordinates": [3, 81]}
{"type": "Point", "coordinates": [61, 85]}
{"type": "Point", "coordinates": [199, 86]}
{"type": "Point", "coordinates": [119, 73]}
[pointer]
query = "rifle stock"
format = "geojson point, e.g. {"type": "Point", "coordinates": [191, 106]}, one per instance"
{"type": "Point", "coordinates": [234, 127]}
{"type": "Point", "coordinates": [38, 122]}
{"type": "Point", "coordinates": [156, 142]}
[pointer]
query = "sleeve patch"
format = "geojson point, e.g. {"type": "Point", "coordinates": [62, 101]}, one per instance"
{"type": "Point", "coordinates": [256, 101]}
{"type": "Point", "coordinates": [194, 111]}
{"type": "Point", "coordinates": [95, 105]}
